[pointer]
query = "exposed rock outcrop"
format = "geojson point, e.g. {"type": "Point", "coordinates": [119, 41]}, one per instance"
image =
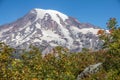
{"type": "Point", "coordinates": [92, 69]}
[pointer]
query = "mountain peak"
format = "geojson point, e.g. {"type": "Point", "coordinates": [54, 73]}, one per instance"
{"type": "Point", "coordinates": [49, 28]}
{"type": "Point", "coordinates": [53, 13]}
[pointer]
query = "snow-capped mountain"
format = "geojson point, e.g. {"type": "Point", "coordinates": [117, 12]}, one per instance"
{"type": "Point", "coordinates": [47, 29]}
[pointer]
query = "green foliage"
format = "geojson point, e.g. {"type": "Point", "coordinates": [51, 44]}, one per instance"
{"type": "Point", "coordinates": [57, 65]}
{"type": "Point", "coordinates": [112, 46]}
{"type": "Point", "coordinates": [85, 50]}
{"type": "Point", "coordinates": [60, 64]}
{"type": "Point", "coordinates": [112, 24]}
{"type": "Point", "coordinates": [5, 60]}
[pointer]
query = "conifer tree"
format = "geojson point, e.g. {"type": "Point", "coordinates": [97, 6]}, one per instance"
{"type": "Point", "coordinates": [112, 45]}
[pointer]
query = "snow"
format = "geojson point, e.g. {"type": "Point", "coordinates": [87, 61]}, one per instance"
{"type": "Point", "coordinates": [49, 35]}
{"type": "Point", "coordinates": [31, 35]}
{"type": "Point", "coordinates": [74, 30]}
{"type": "Point", "coordinates": [36, 40]}
{"type": "Point", "coordinates": [52, 44]}
{"type": "Point", "coordinates": [13, 37]}
{"type": "Point", "coordinates": [18, 38]}
{"type": "Point", "coordinates": [27, 30]}
{"type": "Point", "coordinates": [53, 13]}
{"type": "Point", "coordinates": [38, 26]}
{"type": "Point", "coordinates": [5, 30]}
{"type": "Point", "coordinates": [66, 34]}
{"type": "Point", "coordinates": [86, 30]}
{"type": "Point", "coordinates": [27, 25]}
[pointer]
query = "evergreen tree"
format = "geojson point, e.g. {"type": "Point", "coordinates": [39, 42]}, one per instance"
{"type": "Point", "coordinates": [112, 45]}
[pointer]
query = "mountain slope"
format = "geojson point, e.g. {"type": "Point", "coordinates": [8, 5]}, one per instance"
{"type": "Point", "coordinates": [47, 29]}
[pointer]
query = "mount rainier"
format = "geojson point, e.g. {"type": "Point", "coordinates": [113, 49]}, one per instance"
{"type": "Point", "coordinates": [47, 29]}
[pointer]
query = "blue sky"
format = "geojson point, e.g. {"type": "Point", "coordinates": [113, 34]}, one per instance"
{"type": "Point", "coordinates": [96, 12]}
